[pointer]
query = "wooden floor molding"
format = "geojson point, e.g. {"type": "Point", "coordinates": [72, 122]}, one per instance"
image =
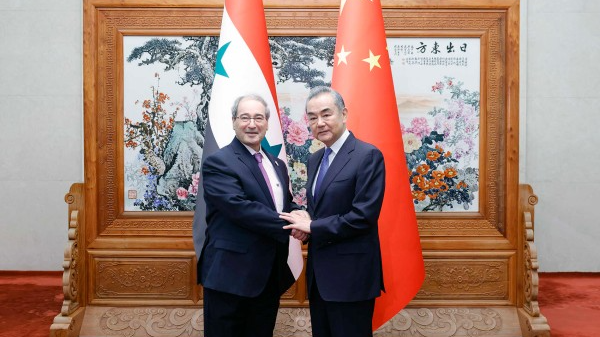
{"type": "Point", "coordinates": [421, 322]}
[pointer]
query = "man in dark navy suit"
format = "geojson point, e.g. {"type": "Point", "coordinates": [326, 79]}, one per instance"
{"type": "Point", "coordinates": [345, 187]}
{"type": "Point", "coordinates": [243, 264]}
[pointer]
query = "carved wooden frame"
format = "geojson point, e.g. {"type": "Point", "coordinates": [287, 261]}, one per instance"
{"type": "Point", "coordinates": [494, 228]}
{"type": "Point", "coordinates": [491, 21]}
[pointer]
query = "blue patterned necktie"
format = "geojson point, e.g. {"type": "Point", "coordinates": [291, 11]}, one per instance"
{"type": "Point", "coordinates": [322, 171]}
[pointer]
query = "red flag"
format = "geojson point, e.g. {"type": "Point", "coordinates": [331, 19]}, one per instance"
{"type": "Point", "coordinates": [362, 74]}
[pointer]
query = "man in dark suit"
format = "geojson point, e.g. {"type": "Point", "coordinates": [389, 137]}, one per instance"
{"type": "Point", "coordinates": [345, 187]}
{"type": "Point", "coordinates": [243, 264]}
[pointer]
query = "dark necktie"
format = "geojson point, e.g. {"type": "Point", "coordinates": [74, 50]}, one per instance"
{"type": "Point", "coordinates": [322, 170]}
{"type": "Point", "coordinates": [258, 156]}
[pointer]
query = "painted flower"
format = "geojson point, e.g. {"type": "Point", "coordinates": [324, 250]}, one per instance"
{"type": "Point", "coordinates": [412, 142]}
{"type": "Point", "coordinates": [193, 189]}
{"type": "Point", "coordinates": [437, 87]}
{"type": "Point", "coordinates": [285, 120]}
{"type": "Point", "coordinates": [300, 197]}
{"type": "Point", "coordinates": [450, 172]}
{"type": "Point", "coordinates": [438, 174]}
{"type": "Point", "coordinates": [145, 170]}
{"type": "Point", "coordinates": [315, 146]}
{"type": "Point", "coordinates": [439, 184]}
{"type": "Point", "coordinates": [417, 180]}
{"type": "Point", "coordinates": [297, 133]}
{"type": "Point", "coordinates": [469, 176]}
{"type": "Point", "coordinates": [433, 155]}
{"type": "Point", "coordinates": [447, 180]}
{"type": "Point", "coordinates": [418, 195]}
{"type": "Point", "coordinates": [182, 193]}
{"type": "Point", "coordinates": [424, 184]}
{"type": "Point", "coordinates": [300, 170]}
{"type": "Point", "coordinates": [419, 127]}
{"type": "Point", "coordinates": [423, 169]}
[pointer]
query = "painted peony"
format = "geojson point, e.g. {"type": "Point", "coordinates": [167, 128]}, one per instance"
{"type": "Point", "coordinates": [412, 142]}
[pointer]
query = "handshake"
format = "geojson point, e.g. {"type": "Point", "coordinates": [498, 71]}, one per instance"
{"type": "Point", "coordinates": [299, 224]}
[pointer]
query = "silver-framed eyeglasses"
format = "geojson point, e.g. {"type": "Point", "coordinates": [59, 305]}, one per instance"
{"type": "Point", "coordinates": [245, 119]}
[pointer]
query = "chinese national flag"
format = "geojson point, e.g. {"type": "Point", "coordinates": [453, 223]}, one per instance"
{"type": "Point", "coordinates": [362, 74]}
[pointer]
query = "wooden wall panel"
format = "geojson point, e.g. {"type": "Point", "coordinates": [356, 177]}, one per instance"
{"type": "Point", "coordinates": [149, 277]}
{"type": "Point", "coordinates": [452, 277]}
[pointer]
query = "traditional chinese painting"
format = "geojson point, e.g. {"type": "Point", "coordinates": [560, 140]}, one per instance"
{"type": "Point", "coordinates": [163, 105]}
{"type": "Point", "coordinates": [167, 85]}
{"type": "Point", "coordinates": [167, 82]}
{"type": "Point", "coordinates": [437, 83]}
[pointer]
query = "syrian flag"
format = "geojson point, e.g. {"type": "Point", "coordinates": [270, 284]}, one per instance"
{"type": "Point", "coordinates": [363, 75]}
{"type": "Point", "coordinates": [243, 67]}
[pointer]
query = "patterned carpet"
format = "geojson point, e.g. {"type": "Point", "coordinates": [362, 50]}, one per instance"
{"type": "Point", "coordinates": [30, 300]}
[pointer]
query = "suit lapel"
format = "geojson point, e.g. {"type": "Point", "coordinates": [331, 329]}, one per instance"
{"type": "Point", "coordinates": [340, 160]}
{"type": "Point", "coordinates": [313, 164]}
{"type": "Point", "coordinates": [245, 157]}
{"type": "Point", "coordinates": [281, 174]}
{"type": "Point", "coordinates": [278, 168]}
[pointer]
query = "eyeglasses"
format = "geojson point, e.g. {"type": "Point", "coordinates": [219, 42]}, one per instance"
{"type": "Point", "coordinates": [246, 119]}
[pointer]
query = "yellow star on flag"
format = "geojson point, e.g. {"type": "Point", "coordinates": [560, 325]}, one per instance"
{"type": "Point", "coordinates": [342, 55]}
{"type": "Point", "coordinates": [372, 60]}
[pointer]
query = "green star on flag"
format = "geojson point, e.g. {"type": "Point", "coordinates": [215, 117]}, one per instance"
{"type": "Point", "coordinates": [219, 68]}
{"type": "Point", "coordinates": [272, 149]}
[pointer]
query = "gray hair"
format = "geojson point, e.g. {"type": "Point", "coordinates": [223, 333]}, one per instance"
{"type": "Point", "coordinates": [316, 91]}
{"type": "Point", "coordinates": [254, 97]}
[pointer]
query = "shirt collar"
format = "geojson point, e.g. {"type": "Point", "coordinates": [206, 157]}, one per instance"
{"type": "Point", "coordinates": [252, 151]}
{"type": "Point", "coordinates": [335, 147]}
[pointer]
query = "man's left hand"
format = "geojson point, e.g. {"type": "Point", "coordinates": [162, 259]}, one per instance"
{"type": "Point", "coordinates": [297, 220]}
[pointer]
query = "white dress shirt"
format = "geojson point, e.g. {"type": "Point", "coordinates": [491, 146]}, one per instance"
{"type": "Point", "coordinates": [276, 185]}
{"type": "Point", "coordinates": [335, 148]}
